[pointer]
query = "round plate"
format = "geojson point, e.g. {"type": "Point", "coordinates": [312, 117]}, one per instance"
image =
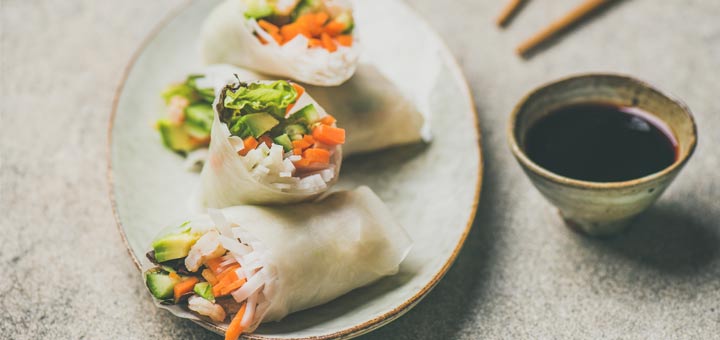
{"type": "Point", "coordinates": [432, 189]}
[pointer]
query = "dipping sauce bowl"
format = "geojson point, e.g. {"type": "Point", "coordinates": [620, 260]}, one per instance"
{"type": "Point", "coordinates": [593, 207]}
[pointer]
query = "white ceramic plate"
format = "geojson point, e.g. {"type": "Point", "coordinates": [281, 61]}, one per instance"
{"type": "Point", "coordinates": [431, 189]}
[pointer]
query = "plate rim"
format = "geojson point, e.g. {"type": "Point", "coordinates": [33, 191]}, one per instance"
{"type": "Point", "coordinates": [364, 327]}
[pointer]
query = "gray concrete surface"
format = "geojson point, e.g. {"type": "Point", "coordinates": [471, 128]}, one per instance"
{"type": "Point", "coordinates": [66, 274]}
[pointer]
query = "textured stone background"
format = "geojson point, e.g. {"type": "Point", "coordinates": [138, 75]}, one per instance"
{"type": "Point", "coordinates": [66, 274]}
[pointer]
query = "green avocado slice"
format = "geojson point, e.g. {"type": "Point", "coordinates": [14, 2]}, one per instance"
{"type": "Point", "coordinates": [174, 246]}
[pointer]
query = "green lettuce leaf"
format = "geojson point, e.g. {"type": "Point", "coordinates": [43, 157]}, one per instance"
{"type": "Point", "coordinates": [272, 98]}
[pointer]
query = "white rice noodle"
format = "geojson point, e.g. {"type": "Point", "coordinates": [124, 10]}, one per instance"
{"type": "Point", "coordinates": [288, 166]}
{"type": "Point", "coordinates": [312, 183]}
{"type": "Point", "coordinates": [260, 311]}
{"type": "Point", "coordinates": [221, 223]}
{"type": "Point", "coordinates": [282, 186]}
{"type": "Point", "coordinates": [251, 286]}
{"type": "Point", "coordinates": [249, 311]}
{"type": "Point", "coordinates": [227, 262]}
{"type": "Point", "coordinates": [240, 274]}
{"type": "Point", "coordinates": [249, 252]}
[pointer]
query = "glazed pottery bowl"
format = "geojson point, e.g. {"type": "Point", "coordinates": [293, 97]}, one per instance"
{"type": "Point", "coordinates": [601, 208]}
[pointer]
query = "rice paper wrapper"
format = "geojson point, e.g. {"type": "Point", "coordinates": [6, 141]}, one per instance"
{"type": "Point", "coordinates": [227, 38]}
{"type": "Point", "coordinates": [315, 252]}
{"type": "Point", "coordinates": [226, 181]}
{"type": "Point", "coordinates": [373, 111]}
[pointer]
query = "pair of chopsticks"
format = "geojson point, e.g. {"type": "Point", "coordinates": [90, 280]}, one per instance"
{"type": "Point", "coordinates": [558, 26]}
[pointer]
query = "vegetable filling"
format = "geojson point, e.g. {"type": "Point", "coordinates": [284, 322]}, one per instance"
{"type": "Point", "coordinates": [213, 274]}
{"type": "Point", "coordinates": [322, 24]}
{"type": "Point", "coordinates": [283, 138]}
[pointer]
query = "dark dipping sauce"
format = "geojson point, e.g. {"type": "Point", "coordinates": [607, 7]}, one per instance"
{"type": "Point", "coordinates": [600, 142]}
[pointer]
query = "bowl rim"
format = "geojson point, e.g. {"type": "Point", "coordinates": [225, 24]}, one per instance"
{"type": "Point", "coordinates": [527, 163]}
{"type": "Point", "coordinates": [366, 326]}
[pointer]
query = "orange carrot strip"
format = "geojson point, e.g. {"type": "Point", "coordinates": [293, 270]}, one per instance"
{"type": "Point", "coordinates": [334, 28]}
{"type": "Point", "coordinates": [301, 144]}
{"type": "Point", "coordinates": [329, 135]}
{"type": "Point", "coordinates": [297, 151]}
{"type": "Point", "coordinates": [230, 271]}
{"type": "Point", "coordinates": [214, 264]}
{"type": "Point", "coordinates": [184, 286]}
{"type": "Point", "coordinates": [289, 31]}
{"type": "Point", "coordinates": [303, 20]}
{"type": "Point", "coordinates": [345, 40]}
{"type": "Point", "coordinates": [321, 18]}
{"type": "Point", "coordinates": [299, 89]}
{"type": "Point", "coordinates": [217, 289]}
{"type": "Point", "coordinates": [327, 42]}
{"type": "Point", "coordinates": [208, 275]}
{"type": "Point", "coordinates": [268, 27]}
{"type": "Point", "coordinates": [278, 38]}
{"type": "Point", "coordinates": [314, 24]}
{"type": "Point", "coordinates": [303, 163]}
{"type": "Point", "coordinates": [249, 143]}
{"type": "Point", "coordinates": [309, 139]}
{"type": "Point", "coordinates": [232, 286]}
{"type": "Point", "coordinates": [306, 24]}
{"type": "Point", "coordinates": [234, 329]}
{"type": "Point", "coordinates": [328, 120]}
{"type": "Point", "coordinates": [317, 156]}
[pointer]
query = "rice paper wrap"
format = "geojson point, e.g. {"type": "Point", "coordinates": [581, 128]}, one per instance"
{"type": "Point", "coordinates": [373, 111]}
{"type": "Point", "coordinates": [227, 38]}
{"type": "Point", "coordinates": [312, 253]}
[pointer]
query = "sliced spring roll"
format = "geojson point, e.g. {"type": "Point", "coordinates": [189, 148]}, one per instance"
{"type": "Point", "coordinates": [241, 266]}
{"type": "Point", "coordinates": [271, 143]}
{"type": "Point", "coordinates": [311, 41]}
{"type": "Point", "coordinates": [189, 115]}
{"type": "Point", "coordinates": [373, 111]}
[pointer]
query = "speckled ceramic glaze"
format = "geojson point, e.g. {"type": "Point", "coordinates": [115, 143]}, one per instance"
{"type": "Point", "coordinates": [431, 189]}
{"type": "Point", "coordinates": [591, 207]}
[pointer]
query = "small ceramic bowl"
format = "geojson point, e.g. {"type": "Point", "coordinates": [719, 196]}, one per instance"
{"type": "Point", "coordinates": [592, 207]}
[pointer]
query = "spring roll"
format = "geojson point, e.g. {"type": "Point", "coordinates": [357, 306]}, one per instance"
{"type": "Point", "coordinates": [271, 143]}
{"type": "Point", "coordinates": [373, 111]}
{"type": "Point", "coordinates": [189, 115]}
{"type": "Point", "coordinates": [241, 266]}
{"type": "Point", "coordinates": [310, 41]}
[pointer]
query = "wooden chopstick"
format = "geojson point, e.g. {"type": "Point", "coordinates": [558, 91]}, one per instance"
{"type": "Point", "coordinates": [508, 11]}
{"type": "Point", "coordinates": [561, 24]}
